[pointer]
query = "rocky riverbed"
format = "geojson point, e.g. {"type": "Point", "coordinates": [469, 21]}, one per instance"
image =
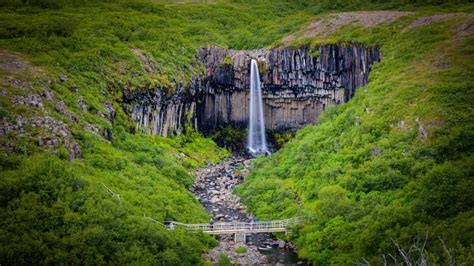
{"type": "Point", "coordinates": [213, 187]}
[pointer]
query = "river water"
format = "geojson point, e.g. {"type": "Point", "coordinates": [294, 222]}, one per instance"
{"type": "Point", "coordinates": [213, 188]}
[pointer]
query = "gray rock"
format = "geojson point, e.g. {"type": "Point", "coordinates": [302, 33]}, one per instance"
{"type": "Point", "coordinates": [219, 216]}
{"type": "Point", "coordinates": [63, 78]}
{"type": "Point", "coordinates": [29, 99]}
{"type": "Point", "coordinates": [111, 112]}
{"type": "Point", "coordinates": [297, 87]}
{"type": "Point", "coordinates": [73, 89]}
{"type": "Point", "coordinates": [281, 243]}
{"type": "Point", "coordinates": [47, 94]}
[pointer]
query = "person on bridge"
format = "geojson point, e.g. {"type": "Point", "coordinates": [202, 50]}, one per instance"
{"type": "Point", "coordinates": [251, 224]}
{"type": "Point", "coordinates": [211, 224]}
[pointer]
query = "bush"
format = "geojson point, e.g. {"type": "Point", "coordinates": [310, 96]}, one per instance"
{"type": "Point", "coordinates": [241, 250]}
{"type": "Point", "coordinates": [368, 180]}
{"type": "Point", "coordinates": [223, 260]}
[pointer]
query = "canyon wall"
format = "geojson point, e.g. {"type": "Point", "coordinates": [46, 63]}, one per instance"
{"type": "Point", "coordinates": [298, 84]}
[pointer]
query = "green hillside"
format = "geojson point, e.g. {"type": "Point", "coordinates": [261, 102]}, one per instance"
{"type": "Point", "coordinates": [78, 187]}
{"type": "Point", "coordinates": [394, 165]}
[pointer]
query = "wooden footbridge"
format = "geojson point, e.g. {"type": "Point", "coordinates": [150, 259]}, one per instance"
{"type": "Point", "coordinates": [240, 229]}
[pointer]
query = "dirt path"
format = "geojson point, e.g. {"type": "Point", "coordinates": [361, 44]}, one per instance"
{"type": "Point", "coordinates": [327, 25]}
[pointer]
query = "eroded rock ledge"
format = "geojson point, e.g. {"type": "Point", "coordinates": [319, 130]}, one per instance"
{"type": "Point", "coordinates": [298, 84]}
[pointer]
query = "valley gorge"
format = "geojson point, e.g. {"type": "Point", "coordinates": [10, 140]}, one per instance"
{"type": "Point", "coordinates": [298, 84]}
{"type": "Point", "coordinates": [196, 132]}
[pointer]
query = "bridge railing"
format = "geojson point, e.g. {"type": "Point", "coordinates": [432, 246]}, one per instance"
{"type": "Point", "coordinates": [238, 226]}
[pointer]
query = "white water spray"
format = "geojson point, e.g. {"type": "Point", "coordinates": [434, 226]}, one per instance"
{"type": "Point", "coordinates": [257, 142]}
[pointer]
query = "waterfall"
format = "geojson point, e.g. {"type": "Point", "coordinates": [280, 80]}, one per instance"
{"type": "Point", "coordinates": [257, 142]}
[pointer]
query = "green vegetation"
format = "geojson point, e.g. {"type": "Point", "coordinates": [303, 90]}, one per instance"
{"type": "Point", "coordinates": [393, 166]}
{"type": "Point", "coordinates": [227, 61]}
{"type": "Point", "coordinates": [279, 138]}
{"type": "Point", "coordinates": [366, 176]}
{"type": "Point", "coordinates": [223, 260]}
{"type": "Point", "coordinates": [241, 250]}
{"type": "Point", "coordinates": [105, 206]}
{"type": "Point", "coordinates": [102, 208]}
{"type": "Point", "coordinates": [96, 40]}
{"type": "Point", "coordinates": [230, 137]}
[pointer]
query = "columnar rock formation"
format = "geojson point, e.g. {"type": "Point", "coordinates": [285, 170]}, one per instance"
{"type": "Point", "coordinates": [298, 84]}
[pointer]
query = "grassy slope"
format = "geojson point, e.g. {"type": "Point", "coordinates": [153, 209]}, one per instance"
{"type": "Point", "coordinates": [54, 210]}
{"type": "Point", "coordinates": [58, 211]}
{"type": "Point", "coordinates": [393, 163]}
{"type": "Point", "coordinates": [97, 39]}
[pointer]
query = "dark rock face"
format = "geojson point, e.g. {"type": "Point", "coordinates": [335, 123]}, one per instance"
{"type": "Point", "coordinates": [298, 84]}
{"type": "Point", "coordinates": [158, 114]}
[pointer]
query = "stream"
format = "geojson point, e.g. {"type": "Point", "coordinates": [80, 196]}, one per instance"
{"type": "Point", "coordinates": [213, 187]}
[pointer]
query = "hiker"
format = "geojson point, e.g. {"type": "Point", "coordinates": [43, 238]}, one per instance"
{"type": "Point", "coordinates": [251, 224]}
{"type": "Point", "coordinates": [211, 224]}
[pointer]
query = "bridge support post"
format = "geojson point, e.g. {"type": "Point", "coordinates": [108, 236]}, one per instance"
{"type": "Point", "coordinates": [239, 238]}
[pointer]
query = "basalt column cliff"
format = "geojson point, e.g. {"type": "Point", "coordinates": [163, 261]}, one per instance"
{"type": "Point", "coordinates": [298, 84]}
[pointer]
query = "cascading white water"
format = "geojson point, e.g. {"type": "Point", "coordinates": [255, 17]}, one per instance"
{"type": "Point", "coordinates": [257, 142]}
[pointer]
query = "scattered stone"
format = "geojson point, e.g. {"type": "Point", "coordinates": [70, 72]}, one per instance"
{"type": "Point", "coordinates": [92, 128]}
{"type": "Point", "coordinates": [421, 130]}
{"type": "Point", "coordinates": [376, 151]}
{"type": "Point", "coordinates": [29, 99]}
{"type": "Point", "coordinates": [219, 216]}
{"type": "Point", "coordinates": [74, 150]}
{"type": "Point", "coordinates": [281, 243]}
{"type": "Point", "coordinates": [209, 187]}
{"type": "Point", "coordinates": [111, 110]}
{"type": "Point", "coordinates": [107, 134]}
{"type": "Point", "coordinates": [247, 163]}
{"type": "Point", "coordinates": [47, 94]}
{"type": "Point", "coordinates": [73, 89]}
{"type": "Point", "coordinates": [63, 78]}
{"type": "Point", "coordinates": [82, 104]}
{"type": "Point", "coordinates": [20, 121]}
{"type": "Point", "coordinates": [61, 108]}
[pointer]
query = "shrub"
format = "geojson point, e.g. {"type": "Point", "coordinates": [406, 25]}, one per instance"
{"type": "Point", "coordinates": [241, 250]}
{"type": "Point", "coordinates": [223, 260]}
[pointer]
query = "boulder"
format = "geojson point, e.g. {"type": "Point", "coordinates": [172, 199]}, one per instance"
{"type": "Point", "coordinates": [281, 243]}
